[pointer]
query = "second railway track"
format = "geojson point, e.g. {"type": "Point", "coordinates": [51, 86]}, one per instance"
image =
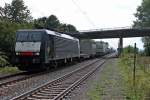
{"type": "Point", "coordinates": [60, 87]}
{"type": "Point", "coordinates": [12, 75]}
{"type": "Point", "coordinates": [10, 80]}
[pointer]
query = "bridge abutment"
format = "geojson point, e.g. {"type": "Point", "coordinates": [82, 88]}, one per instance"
{"type": "Point", "coordinates": [120, 46]}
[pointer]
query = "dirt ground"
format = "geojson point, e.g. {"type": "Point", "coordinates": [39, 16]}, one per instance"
{"type": "Point", "coordinates": [104, 84]}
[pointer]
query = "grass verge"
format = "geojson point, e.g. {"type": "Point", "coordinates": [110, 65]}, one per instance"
{"type": "Point", "coordinates": [124, 69]}
{"type": "Point", "coordinates": [8, 69]}
{"type": "Point", "coordinates": [139, 90]}
{"type": "Point", "coordinates": [3, 65]}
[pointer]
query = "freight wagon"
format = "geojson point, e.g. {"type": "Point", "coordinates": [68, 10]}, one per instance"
{"type": "Point", "coordinates": [87, 48]}
{"type": "Point", "coordinates": [101, 48]}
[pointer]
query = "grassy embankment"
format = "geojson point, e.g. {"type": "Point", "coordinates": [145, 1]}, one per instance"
{"type": "Point", "coordinates": [139, 91]}
{"type": "Point", "coordinates": [5, 67]}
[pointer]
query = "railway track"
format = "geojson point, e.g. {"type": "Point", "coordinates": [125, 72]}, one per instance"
{"type": "Point", "coordinates": [60, 87]}
{"type": "Point", "coordinates": [12, 75]}
{"type": "Point", "coordinates": [13, 79]}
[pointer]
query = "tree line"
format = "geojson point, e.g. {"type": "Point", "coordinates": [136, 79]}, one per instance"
{"type": "Point", "coordinates": [143, 20]}
{"type": "Point", "coordinates": [16, 15]}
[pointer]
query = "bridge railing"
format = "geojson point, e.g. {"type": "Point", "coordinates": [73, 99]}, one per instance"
{"type": "Point", "coordinates": [115, 28]}
{"type": "Point", "coordinates": [106, 29]}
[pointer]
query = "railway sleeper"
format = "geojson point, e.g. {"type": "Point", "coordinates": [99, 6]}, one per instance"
{"type": "Point", "coordinates": [49, 92]}
{"type": "Point", "coordinates": [32, 98]}
{"type": "Point", "coordinates": [68, 83]}
{"type": "Point", "coordinates": [59, 89]}
{"type": "Point", "coordinates": [51, 96]}
{"type": "Point", "coordinates": [61, 86]}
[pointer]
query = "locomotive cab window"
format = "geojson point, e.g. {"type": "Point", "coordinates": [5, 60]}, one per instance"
{"type": "Point", "coordinates": [28, 36]}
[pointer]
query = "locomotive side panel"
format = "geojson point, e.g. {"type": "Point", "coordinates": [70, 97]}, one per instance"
{"type": "Point", "coordinates": [65, 48]}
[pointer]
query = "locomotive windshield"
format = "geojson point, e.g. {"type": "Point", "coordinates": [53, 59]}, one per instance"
{"type": "Point", "coordinates": [28, 36]}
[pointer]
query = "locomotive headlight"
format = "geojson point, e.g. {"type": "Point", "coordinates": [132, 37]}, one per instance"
{"type": "Point", "coordinates": [37, 53]}
{"type": "Point", "coordinates": [17, 53]}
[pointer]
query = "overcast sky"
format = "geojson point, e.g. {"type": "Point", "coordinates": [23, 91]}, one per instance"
{"type": "Point", "coordinates": [88, 14]}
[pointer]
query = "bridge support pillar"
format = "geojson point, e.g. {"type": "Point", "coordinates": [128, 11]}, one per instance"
{"type": "Point", "coordinates": [120, 46]}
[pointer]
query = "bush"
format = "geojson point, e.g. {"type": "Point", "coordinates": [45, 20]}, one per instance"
{"type": "Point", "coordinates": [3, 62]}
{"type": "Point", "coordinates": [3, 59]}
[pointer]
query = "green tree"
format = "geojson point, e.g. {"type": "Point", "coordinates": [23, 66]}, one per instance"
{"type": "Point", "coordinates": [13, 16]}
{"type": "Point", "coordinates": [40, 23]}
{"type": "Point", "coordinates": [63, 28]}
{"type": "Point", "coordinates": [71, 28]}
{"type": "Point", "coordinates": [146, 41]}
{"type": "Point", "coordinates": [129, 49]}
{"type": "Point", "coordinates": [143, 20]}
{"type": "Point", "coordinates": [7, 34]}
{"type": "Point", "coordinates": [67, 28]}
{"type": "Point", "coordinates": [15, 12]}
{"type": "Point", "coordinates": [52, 22]}
{"type": "Point", "coordinates": [4, 12]}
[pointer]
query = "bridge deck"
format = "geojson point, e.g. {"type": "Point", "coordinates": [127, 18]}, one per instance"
{"type": "Point", "coordinates": [114, 33]}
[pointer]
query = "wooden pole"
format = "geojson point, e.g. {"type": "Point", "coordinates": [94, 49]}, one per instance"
{"type": "Point", "coordinates": [134, 71]}
{"type": "Point", "coordinates": [134, 68]}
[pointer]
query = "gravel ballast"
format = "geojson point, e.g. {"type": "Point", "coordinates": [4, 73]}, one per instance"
{"type": "Point", "coordinates": [19, 88]}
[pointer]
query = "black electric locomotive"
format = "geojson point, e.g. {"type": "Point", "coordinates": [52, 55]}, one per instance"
{"type": "Point", "coordinates": [41, 49]}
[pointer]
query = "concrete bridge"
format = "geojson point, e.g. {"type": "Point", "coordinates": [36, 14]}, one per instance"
{"type": "Point", "coordinates": [113, 33]}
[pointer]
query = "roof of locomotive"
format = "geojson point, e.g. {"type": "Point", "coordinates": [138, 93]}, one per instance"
{"type": "Point", "coordinates": [50, 33]}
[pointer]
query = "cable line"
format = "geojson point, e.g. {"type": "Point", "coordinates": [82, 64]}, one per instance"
{"type": "Point", "coordinates": [84, 13]}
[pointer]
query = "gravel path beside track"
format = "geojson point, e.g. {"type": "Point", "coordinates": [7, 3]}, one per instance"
{"type": "Point", "coordinates": [104, 84]}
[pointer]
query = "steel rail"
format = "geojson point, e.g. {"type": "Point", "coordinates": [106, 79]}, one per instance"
{"type": "Point", "coordinates": [69, 89]}
{"type": "Point", "coordinates": [55, 84]}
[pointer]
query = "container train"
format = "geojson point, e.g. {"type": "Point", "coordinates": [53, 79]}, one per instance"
{"type": "Point", "coordinates": [101, 48]}
{"type": "Point", "coordinates": [87, 48]}
{"type": "Point", "coordinates": [40, 49]}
